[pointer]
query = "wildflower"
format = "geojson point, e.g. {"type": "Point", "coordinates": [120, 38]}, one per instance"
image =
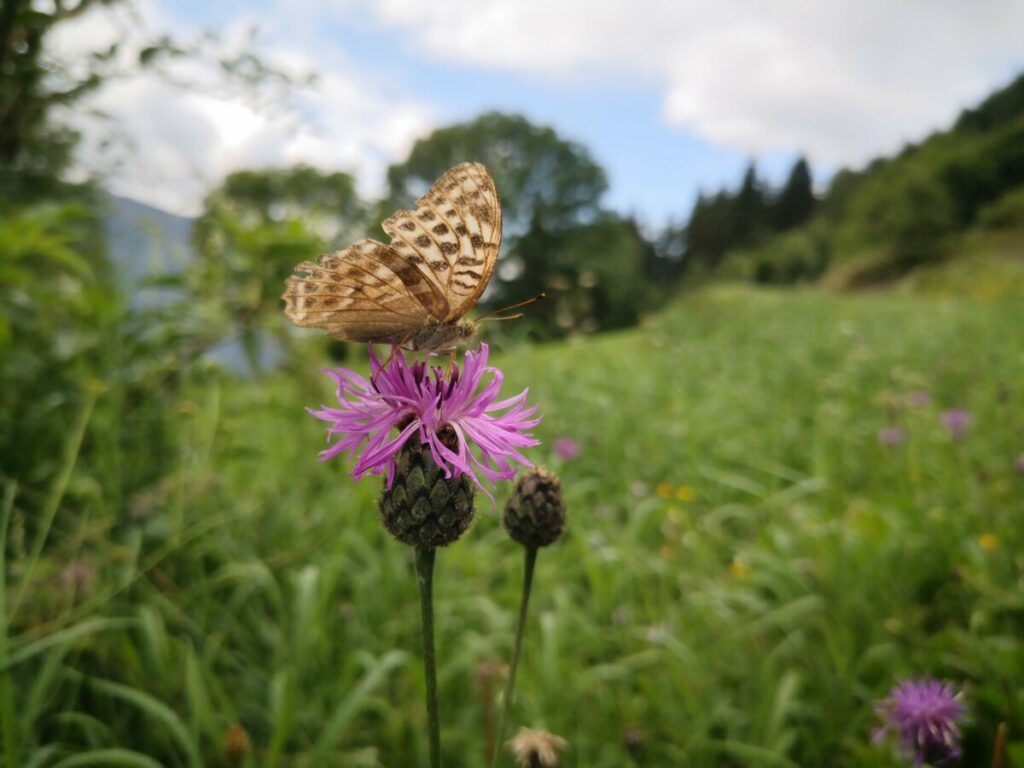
{"type": "Point", "coordinates": [1019, 464]}
{"type": "Point", "coordinates": [924, 714]}
{"type": "Point", "coordinates": [919, 398]}
{"type": "Point", "coordinates": [444, 410]}
{"type": "Point", "coordinates": [536, 749]}
{"type": "Point", "coordinates": [685, 493]}
{"type": "Point", "coordinates": [989, 542]}
{"type": "Point", "coordinates": [664, 490]}
{"type": "Point", "coordinates": [891, 435]}
{"type": "Point", "coordinates": [739, 568]}
{"type": "Point", "coordinates": [956, 421]}
{"type": "Point", "coordinates": [566, 448]}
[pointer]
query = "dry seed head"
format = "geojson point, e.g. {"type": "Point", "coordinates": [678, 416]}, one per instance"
{"type": "Point", "coordinates": [423, 508]}
{"type": "Point", "coordinates": [236, 744]}
{"type": "Point", "coordinates": [536, 748]}
{"type": "Point", "coordinates": [535, 512]}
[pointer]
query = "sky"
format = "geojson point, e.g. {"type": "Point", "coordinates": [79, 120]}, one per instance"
{"type": "Point", "coordinates": [670, 98]}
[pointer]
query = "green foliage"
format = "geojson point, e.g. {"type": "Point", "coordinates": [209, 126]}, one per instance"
{"type": "Point", "coordinates": [56, 312]}
{"type": "Point", "coordinates": [793, 257]}
{"type": "Point", "coordinates": [1006, 212]}
{"type": "Point", "coordinates": [593, 276]}
{"type": "Point", "coordinates": [746, 569]}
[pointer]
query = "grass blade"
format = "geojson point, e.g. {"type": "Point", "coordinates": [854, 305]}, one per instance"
{"type": "Point", "coordinates": [351, 704]}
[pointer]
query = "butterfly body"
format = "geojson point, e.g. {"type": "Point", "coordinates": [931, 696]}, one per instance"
{"type": "Point", "coordinates": [441, 336]}
{"type": "Point", "coordinates": [415, 290]}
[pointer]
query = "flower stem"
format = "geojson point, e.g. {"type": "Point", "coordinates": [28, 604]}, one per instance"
{"type": "Point", "coordinates": [510, 686]}
{"type": "Point", "coordinates": [425, 578]}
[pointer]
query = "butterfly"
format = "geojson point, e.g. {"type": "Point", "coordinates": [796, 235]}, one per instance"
{"type": "Point", "coordinates": [416, 290]}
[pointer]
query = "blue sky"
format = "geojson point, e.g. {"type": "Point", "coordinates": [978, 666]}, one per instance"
{"type": "Point", "coordinates": [669, 98]}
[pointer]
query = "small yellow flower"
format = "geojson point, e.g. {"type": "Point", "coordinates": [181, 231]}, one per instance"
{"type": "Point", "coordinates": [667, 552]}
{"type": "Point", "coordinates": [989, 542]}
{"type": "Point", "coordinates": [685, 493]}
{"type": "Point", "coordinates": [739, 568]}
{"type": "Point", "coordinates": [664, 490]}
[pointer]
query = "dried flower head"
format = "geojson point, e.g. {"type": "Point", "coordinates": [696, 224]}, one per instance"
{"type": "Point", "coordinates": [535, 512]}
{"type": "Point", "coordinates": [431, 404]}
{"type": "Point", "coordinates": [536, 749]}
{"type": "Point", "coordinates": [236, 744]}
{"type": "Point", "coordinates": [924, 715]}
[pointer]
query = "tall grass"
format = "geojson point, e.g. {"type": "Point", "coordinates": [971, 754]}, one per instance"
{"type": "Point", "coordinates": [747, 568]}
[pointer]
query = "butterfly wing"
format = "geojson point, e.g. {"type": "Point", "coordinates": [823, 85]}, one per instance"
{"type": "Point", "coordinates": [439, 261]}
{"type": "Point", "coordinates": [367, 292]}
{"type": "Point", "coordinates": [453, 235]}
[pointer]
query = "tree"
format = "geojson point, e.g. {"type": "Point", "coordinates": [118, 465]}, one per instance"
{"type": "Point", "coordinates": [796, 202]}
{"type": "Point", "coordinates": [543, 179]}
{"type": "Point", "coordinates": [255, 228]}
{"type": "Point", "coordinates": [749, 210]}
{"type": "Point", "coordinates": [548, 187]}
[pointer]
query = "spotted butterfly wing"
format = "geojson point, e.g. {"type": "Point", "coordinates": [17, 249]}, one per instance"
{"type": "Point", "coordinates": [416, 289]}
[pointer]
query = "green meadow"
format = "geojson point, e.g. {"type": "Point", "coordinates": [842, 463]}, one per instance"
{"type": "Point", "coordinates": [748, 567]}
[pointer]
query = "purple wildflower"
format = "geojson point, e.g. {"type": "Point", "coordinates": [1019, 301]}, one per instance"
{"type": "Point", "coordinates": [924, 715]}
{"type": "Point", "coordinates": [1019, 464]}
{"type": "Point", "coordinates": [891, 435]}
{"type": "Point", "coordinates": [919, 398]}
{"type": "Point", "coordinates": [425, 401]}
{"type": "Point", "coordinates": [566, 448]}
{"type": "Point", "coordinates": [956, 420]}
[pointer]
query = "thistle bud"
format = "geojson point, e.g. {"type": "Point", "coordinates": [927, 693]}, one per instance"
{"type": "Point", "coordinates": [423, 508]}
{"type": "Point", "coordinates": [535, 513]}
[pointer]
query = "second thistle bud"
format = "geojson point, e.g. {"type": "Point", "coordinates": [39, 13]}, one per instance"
{"type": "Point", "coordinates": [423, 508]}
{"type": "Point", "coordinates": [535, 513]}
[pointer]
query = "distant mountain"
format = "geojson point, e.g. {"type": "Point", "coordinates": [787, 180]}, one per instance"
{"type": "Point", "coordinates": [145, 243]}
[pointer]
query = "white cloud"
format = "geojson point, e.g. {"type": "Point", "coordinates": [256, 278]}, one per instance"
{"type": "Point", "coordinates": [174, 143]}
{"type": "Point", "coordinates": [841, 81]}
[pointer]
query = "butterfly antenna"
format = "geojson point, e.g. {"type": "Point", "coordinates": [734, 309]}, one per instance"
{"type": "Point", "coordinates": [492, 315]}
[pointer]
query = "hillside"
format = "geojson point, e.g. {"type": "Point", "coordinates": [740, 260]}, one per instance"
{"type": "Point", "coordinates": [952, 195]}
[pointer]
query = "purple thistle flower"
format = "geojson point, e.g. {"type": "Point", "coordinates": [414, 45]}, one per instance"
{"type": "Point", "coordinates": [436, 406]}
{"type": "Point", "coordinates": [566, 448]}
{"type": "Point", "coordinates": [956, 420]}
{"type": "Point", "coordinates": [924, 715]}
{"type": "Point", "coordinates": [891, 435]}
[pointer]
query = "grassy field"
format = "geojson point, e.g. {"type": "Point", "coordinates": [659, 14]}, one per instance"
{"type": "Point", "coordinates": [748, 566]}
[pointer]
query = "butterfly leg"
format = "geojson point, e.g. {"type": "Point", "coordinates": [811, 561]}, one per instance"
{"type": "Point", "coordinates": [384, 365]}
